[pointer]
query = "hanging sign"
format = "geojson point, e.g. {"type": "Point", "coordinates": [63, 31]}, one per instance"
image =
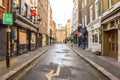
{"type": "Point", "coordinates": [8, 19]}
{"type": "Point", "coordinates": [33, 12]}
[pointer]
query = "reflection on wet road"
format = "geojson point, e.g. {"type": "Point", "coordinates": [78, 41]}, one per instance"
{"type": "Point", "coordinates": [61, 63]}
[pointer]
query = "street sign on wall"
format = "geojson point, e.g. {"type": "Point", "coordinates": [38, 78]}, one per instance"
{"type": "Point", "coordinates": [8, 19]}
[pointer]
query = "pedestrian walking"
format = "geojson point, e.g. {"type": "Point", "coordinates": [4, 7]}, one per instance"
{"type": "Point", "coordinates": [72, 38]}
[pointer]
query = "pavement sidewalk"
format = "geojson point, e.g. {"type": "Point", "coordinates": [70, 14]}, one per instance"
{"type": "Point", "coordinates": [19, 60]}
{"type": "Point", "coordinates": [107, 63]}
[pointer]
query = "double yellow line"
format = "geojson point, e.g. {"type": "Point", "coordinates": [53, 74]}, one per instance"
{"type": "Point", "coordinates": [29, 68]}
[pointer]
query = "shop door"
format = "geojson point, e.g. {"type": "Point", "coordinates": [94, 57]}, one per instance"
{"type": "Point", "coordinates": [113, 43]}
{"type": "Point", "coordinates": [29, 40]}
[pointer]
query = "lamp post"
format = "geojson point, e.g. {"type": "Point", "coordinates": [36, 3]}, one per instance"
{"type": "Point", "coordinates": [8, 37]}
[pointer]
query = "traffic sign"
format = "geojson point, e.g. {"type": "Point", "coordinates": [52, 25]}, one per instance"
{"type": "Point", "coordinates": [8, 19]}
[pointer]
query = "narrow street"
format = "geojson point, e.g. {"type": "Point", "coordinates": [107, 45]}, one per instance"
{"type": "Point", "coordinates": [61, 63]}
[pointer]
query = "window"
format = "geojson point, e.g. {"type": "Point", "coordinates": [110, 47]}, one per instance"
{"type": "Point", "coordinates": [82, 5]}
{"type": "Point", "coordinates": [31, 1]}
{"type": "Point", "coordinates": [85, 20]}
{"type": "Point", "coordinates": [91, 13]}
{"type": "Point", "coordinates": [1, 2]}
{"type": "Point", "coordinates": [96, 9]}
{"type": "Point", "coordinates": [110, 3]}
{"type": "Point", "coordinates": [85, 2]}
{"type": "Point", "coordinates": [95, 38]}
{"type": "Point", "coordinates": [25, 10]}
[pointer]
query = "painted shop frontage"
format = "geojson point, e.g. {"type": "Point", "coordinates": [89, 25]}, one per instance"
{"type": "Point", "coordinates": [111, 33]}
{"type": "Point", "coordinates": [24, 35]}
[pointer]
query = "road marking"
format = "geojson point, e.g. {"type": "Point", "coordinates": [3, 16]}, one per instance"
{"type": "Point", "coordinates": [52, 74]}
{"type": "Point", "coordinates": [100, 68]}
{"type": "Point", "coordinates": [28, 68]}
{"type": "Point", "coordinates": [96, 75]}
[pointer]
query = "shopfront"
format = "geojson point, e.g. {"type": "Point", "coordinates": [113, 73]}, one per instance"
{"type": "Point", "coordinates": [24, 36]}
{"type": "Point", "coordinates": [110, 33]}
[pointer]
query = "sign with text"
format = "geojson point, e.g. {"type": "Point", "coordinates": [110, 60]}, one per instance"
{"type": "Point", "coordinates": [8, 19]}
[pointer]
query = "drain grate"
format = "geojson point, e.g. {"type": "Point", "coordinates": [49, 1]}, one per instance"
{"type": "Point", "coordinates": [60, 51]}
{"type": "Point", "coordinates": [66, 49]}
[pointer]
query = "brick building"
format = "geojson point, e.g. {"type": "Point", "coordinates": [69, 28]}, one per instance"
{"type": "Point", "coordinates": [60, 34]}
{"type": "Point", "coordinates": [91, 18]}
{"type": "Point", "coordinates": [43, 24]}
{"type": "Point", "coordinates": [49, 24]}
{"type": "Point", "coordinates": [24, 30]}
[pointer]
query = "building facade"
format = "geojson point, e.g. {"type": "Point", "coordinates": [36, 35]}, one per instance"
{"type": "Point", "coordinates": [49, 23]}
{"type": "Point", "coordinates": [43, 24]}
{"type": "Point", "coordinates": [3, 28]}
{"type": "Point", "coordinates": [60, 34]}
{"type": "Point", "coordinates": [24, 30]}
{"type": "Point", "coordinates": [53, 32]}
{"type": "Point", "coordinates": [76, 18]}
{"type": "Point", "coordinates": [111, 28]}
{"type": "Point", "coordinates": [68, 29]}
{"type": "Point", "coordinates": [91, 19]}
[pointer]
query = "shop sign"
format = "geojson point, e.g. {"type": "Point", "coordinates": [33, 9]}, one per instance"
{"type": "Point", "coordinates": [33, 12]}
{"type": "Point", "coordinates": [8, 19]}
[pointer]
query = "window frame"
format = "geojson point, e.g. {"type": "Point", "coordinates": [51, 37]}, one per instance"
{"type": "Point", "coordinates": [1, 3]}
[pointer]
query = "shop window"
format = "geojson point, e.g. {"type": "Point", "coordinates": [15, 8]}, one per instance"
{"type": "Point", "coordinates": [22, 37]}
{"type": "Point", "coordinates": [33, 38]}
{"type": "Point", "coordinates": [95, 38]}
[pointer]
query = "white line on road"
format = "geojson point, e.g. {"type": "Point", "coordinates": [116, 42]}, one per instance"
{"type": "Point", "coordinates": [52, 74]}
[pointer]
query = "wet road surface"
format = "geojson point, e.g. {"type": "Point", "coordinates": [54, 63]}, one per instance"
{"type": "Point", "coordinates": [61, 63]}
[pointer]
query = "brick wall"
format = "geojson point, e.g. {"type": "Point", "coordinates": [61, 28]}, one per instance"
{"type": "Point", "coordinates": [43, 13]}
{"type": "Point", "coordinates": [3, 8]}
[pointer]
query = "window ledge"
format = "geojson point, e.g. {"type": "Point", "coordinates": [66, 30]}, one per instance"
{"type": "Point", "coordinates": [2, 7]}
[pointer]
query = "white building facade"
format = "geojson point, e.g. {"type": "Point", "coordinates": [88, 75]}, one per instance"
{"type": "Point", "coordinates": [75, 15]}
{"type": "Point", "coordinates": [92, 20]}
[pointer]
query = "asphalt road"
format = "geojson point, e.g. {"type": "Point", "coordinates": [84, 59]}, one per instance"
{"type": "Point", "coordinates": [61, 63]}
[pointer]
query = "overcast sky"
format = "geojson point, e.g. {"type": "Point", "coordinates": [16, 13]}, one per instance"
{"type": "Point", "coordinates": [62, 10]}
